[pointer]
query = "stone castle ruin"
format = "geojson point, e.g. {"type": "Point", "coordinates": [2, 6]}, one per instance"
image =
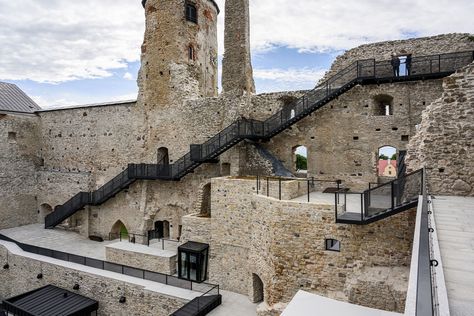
{"type": "Point", "coordinates": [188, 164]}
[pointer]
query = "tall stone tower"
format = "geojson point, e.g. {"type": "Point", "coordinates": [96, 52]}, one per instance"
{"type": "Point", "coordinates": [179, 52]}
{"type": "Point", "coordinates": [237, 74]}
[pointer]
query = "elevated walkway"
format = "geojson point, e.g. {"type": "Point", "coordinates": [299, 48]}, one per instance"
{"type": "Point", "coordinates": [361, 72]}
{"type": "Point", "coordinates": [454, 217]}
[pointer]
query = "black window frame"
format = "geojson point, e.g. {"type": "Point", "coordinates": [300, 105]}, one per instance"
{"type": "Point", "coordinates": [191, 12]}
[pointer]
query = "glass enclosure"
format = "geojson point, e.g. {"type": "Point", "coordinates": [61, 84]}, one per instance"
{"type": "Point", "coordinates": [192, 261]}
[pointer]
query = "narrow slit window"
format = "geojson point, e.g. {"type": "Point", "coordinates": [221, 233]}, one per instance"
{"type": "Point", "coordinates": [333, 245]}
{"type": "Point", "coordinates": [191, 53]}
{"type": "Point", "coordinates": [191, 12]}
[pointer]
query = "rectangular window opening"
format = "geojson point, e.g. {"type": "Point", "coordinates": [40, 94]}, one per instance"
{"type": "Point", "coordinates": [333, 245]}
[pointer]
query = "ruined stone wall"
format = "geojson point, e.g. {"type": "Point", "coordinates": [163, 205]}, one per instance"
{"type": "Point", "coordinates": [168, 74]}
{"type": "Point", "coordinates": [21, 278]}
{"type": "Point", "coordinates": [422, 46]}
{"type": "Point", "coordinates": [237, 74]}
{"type": "Point", "coordinates": [444, 141]}
{"type": "Point", "coordinates": [19, 150]}
{"type": "Point", "coordinates": [283, 243]}
{"type": "Point", "coordinates": [343, 138]}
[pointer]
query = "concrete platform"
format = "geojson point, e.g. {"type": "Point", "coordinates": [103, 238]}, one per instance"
{"type": "Point", "coordinates": [234, 304]}
{"type": "Point", "coordinates": [454, 218]}
{"type": "Point", "coordinates": [74, 243]}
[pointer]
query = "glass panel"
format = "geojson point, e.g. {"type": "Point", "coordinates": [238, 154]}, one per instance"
{"type": "Point", "coordinates": [204, 266]}
{"type": "Point", "coordinates": [379, 199]}
{"type": "Point", "coordinates": [184, 266]}
{"type": "Point", "coordinates": [193, 266]}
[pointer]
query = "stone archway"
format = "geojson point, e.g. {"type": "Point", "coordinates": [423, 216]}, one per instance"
{"type": "Point", "coordinates": [257, 289]}
{"type": "Point", "coordinates": [118, 229]}
{"type": "Point", "coordinates": [44, 210]}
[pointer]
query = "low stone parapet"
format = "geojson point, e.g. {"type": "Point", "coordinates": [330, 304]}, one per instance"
{"type": "Point", "coordinates": [142, 257]}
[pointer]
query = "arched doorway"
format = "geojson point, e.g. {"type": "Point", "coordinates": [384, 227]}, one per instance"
{"type": "Point", "coordinates": [44, 210]}
{"type": "Point", "coordinates": [300, 161]}
{"type": "Point", "coordinates": [387, 162]}
{"type": "Point", "coordinates": [162, 229]}
{"type": "Point", "coordinates": [162, 156]}
{"type": "Point", "coordinates": [118, 230]}
{"type": "Point", "coordinates": [257, 286]}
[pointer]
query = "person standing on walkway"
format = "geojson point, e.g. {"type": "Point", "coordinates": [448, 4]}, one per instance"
{"type": "Point", "coordinates": [395, 62]}
{"type": "Point", "coordinates": [408, 64]}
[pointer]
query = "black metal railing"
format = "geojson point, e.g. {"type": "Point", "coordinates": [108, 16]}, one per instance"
{"type": "Point", "coordinates": [115, 267]}
{"type": "Point", "coordinates": [380, 201]}
{"type": "Point", "coordinates": [360, 72]}
{"type": "Point", "coordinates": [275, 187]}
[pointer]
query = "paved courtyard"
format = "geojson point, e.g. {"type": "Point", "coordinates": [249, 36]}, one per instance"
{"type": "Point", "coordinates": [72, 242]}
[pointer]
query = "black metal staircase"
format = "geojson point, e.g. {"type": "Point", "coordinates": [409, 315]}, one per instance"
{"type": "Point", "coordinates": [360, 72]}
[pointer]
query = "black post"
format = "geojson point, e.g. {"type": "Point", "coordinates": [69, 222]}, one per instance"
{"type": "Point", "coordinates": [362, 207]}
{"type": "Point", "coordinates": [279, 188]}
{"type": "Point", "coordinates": [257, 184]}
{"type": "Point", "coordinates": [268, 188]}
{"type": "Point", "coordinates": [308, 189]}
{"type": "Point", "coordinates": [392, 186]}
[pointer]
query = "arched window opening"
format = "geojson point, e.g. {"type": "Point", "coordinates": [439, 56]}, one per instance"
{"type": "Point", "coordinates": [163, 157]}
{"type": "Point", "coordinates": [300, 161]}
{"type": "Point", "coordinates": [257, 286]}
{"type": "Point", "coordinates": [387, 162]}
{"type": "Point", "coordinates": [119, 230]}
{"type": "Point", "coordinates": [383, 105]}
{"type": "Point", "coordinates": [191, 12]}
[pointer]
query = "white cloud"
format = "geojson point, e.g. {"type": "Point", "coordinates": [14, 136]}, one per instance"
{"type": "Point", "coordinates": [55, 40]}
{"type": "Point", "coordinates": [292, 75]}
{"type": "Point", "coordinates": [128, 76]}
{"type": "Point", "coordinates": [321, 25]}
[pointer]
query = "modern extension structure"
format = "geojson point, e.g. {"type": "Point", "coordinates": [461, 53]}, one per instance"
{"type": "Point", "coordinates": [189, 202]}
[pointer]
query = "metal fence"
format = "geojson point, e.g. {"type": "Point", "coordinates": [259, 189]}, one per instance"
{"type": "Point", "coordinates": [114, 267]}
{"type": "Point", "coordinates": [379, 200]}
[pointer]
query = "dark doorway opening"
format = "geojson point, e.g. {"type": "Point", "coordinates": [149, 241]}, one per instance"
{"type": "Point", "coordinates": [162, 229]}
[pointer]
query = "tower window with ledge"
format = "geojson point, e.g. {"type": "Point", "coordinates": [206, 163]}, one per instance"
{"type": "Point", "coordinates": [191, 12]}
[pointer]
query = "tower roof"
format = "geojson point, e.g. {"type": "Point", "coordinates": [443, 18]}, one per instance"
{"type": "Point", "coordinates": [213, 2]}
{"type": "Point", "coordinates": [13, 99]}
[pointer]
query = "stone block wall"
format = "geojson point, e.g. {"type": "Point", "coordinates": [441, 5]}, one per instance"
{"type": "Point", "coordinates": [142, 257]}
{"type": "Point", "coordinates": [444, 142]}
{"type": "Point", "coordinates": [21, 278]}
{"type": "Point", "coordinates": [283, 243]}
{"type": "Point", "coordinates": [19, 159]}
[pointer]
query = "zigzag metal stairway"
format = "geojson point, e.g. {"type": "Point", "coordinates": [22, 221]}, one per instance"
{"type": "Point", "coordinates": [361, 72]}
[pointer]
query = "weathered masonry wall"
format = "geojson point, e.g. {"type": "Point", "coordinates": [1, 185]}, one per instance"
{"type": "Point", "coordinates": [237, 74]}
{"type": "Point", "coordinates": [21, 277]}
{"type": "Point", "coordinates": [343, 138]}
{"type": "Point", "coordinates": [444, 142]}
{"type": "Point", "coordinates": [283, 243]}
{"type": "Point", "coordinates": [19, 146]}
{"type": "Point", "coordinates": [169, 74]}
{"type": "Point", "coordinates": [142, 257]}
{"type": "Point", "coordinates": [422, 46]}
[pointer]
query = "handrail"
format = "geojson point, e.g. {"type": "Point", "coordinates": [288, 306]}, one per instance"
{"type": "Point", "coordinates": [113, 267]}
{"type": "Point", "coordinates": [365, 71]}
{"type": "Point", "coordinates": [424, 297]}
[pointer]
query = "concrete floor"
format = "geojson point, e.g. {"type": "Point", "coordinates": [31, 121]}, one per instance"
{"type": "Point", "coordinates": [454, 218]}
{"type": "Point", "coordinates": [234, 304]}
{"type": "Point", "coordinates": [71, 242]}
